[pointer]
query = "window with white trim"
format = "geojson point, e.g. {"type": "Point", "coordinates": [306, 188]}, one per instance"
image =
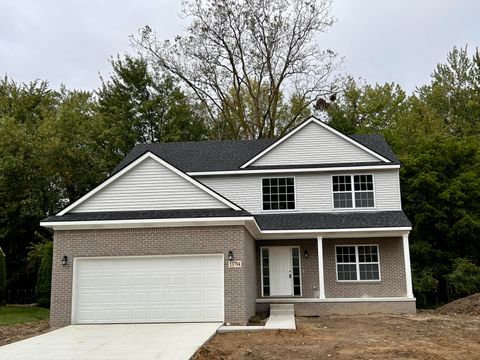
{"type": "Point", "coordinates": [353, 191]}
{"type": "Point", "coordinates": [278, 193]}
{"type": "Point", "coordinates": [357, 263]}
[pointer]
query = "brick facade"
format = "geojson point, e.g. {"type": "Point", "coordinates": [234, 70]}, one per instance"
{"type": "Point", "coordinates": [239, 282]}
{"type": "Point", "coordinates": [242, 285]}
{"type": "Point", "coordinates": [392, 270]}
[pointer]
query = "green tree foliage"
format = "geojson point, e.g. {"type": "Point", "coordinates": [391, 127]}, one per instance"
{"type": "Point", "coordinates": [24, 188]}
{"type": "Point", "coordinates": [138, 107]}
{"type": "Point", "coordinates": [464, 279]}
{"type": "Point", "coordinates": [3, 278]}
{"type": "Point", "coordinates": [454, 92]}
{"type": "Point", "coordinates": [44, 278]}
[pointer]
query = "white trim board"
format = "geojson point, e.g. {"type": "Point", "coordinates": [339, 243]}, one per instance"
{"type": "Point", "coordinates": [332, 300]}
{"type": "Point", "coordinates": [248, 221]}
{"type": "Point", "coordinates": [170, 167]}
{"type": "Point", "coordinates": [292, 170]}
{"type": "Point", "coordinates": [325, 126]}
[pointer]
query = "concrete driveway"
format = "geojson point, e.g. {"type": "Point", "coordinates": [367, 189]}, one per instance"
{"type": "Point", "coordinates": [115, 342]}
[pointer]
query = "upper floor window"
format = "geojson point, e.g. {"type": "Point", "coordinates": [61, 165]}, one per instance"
{"type": "Point", "coordinates": [278, 193]}
{"type": "Point", "coordinates": [353, 191]}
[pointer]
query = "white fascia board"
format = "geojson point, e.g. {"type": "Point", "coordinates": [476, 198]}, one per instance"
{"type": "Point", "coordinates": [325, 126]}
{"type": "Point", "coordinates": [138, 223]}
{"type": "Point", "coordinates": [298, 170]}
{"type": "Point", "coordinates": [326, 231]}
{"type": "Point", "coordinates": [248, 221]}
{"type": "Point", "coordinates": [135, 163]}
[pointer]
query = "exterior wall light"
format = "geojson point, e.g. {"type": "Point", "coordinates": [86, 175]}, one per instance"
{"type": "Point", "coordinates": [64, 260]}
{"type": "Point", "coordinates": [305, 254]}
{"type": "Point", "coordinates": [230, 255]}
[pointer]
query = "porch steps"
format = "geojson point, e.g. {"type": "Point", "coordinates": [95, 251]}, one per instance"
{"type": "Point", "coordinates": [282, 317]}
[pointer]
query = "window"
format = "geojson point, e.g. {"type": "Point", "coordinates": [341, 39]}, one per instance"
{"type": "Point", "coordinates": [296, 271]}
{"type": "Point", "coordinates": [278, 193]}
{"type": "Point", "coordinates": [265, 272]}
{"type": "Point", "coordinates": [360, 195]}
{"type": "Point", "coordinates": [357, 263]}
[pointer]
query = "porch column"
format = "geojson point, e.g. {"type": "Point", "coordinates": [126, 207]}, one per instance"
{"type": "Point", "coordinates": [321, 279]}
{"type": "Point", "coordinates": [408, 270]}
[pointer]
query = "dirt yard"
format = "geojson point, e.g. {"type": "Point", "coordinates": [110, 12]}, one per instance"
{"type": "Point", "coordinates": [17, 332]}
{"type": "Point", "coordinates": [427, 335]}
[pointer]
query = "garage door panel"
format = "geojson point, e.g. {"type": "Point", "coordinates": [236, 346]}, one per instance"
{"type": "Point", "coordinates": [149, 289]}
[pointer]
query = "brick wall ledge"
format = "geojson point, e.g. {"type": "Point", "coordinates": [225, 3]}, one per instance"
{"type": "Point", "coordinates": [331, 300]}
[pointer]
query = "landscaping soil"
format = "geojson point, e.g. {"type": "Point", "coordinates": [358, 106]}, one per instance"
{"type": "Point", "coordinates": [17, 332]}
{"type": "Point", "coordinates": [427, 335]}
{"type": "Point", "coordinates": [469, 305]}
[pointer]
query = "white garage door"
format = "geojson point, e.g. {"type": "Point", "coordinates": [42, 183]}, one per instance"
{"type": "Point", "coordinates": [148, 289]}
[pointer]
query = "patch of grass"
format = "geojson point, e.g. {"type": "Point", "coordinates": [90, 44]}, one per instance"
{"type": "Point", "coordinates": [10, 315]}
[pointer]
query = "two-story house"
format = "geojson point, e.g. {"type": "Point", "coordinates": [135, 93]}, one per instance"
{"type": "Point", "coordinates": [217, 230]}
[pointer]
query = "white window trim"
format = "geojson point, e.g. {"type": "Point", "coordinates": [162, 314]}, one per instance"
{"type": "Point", "coordinates": [294, 194]}
{"type": "Point", "coordinates": [291, 266]}
{"type": "Point", "coordinates": [357, 264]}
{"type": "Point", "coordinates": [353, 192]}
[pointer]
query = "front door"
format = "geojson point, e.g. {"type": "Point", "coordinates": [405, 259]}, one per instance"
{"type": "Point", "coordinates": [281, 282]}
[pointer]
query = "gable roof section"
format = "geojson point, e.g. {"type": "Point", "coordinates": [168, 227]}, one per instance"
{"type": "Point", "coordinates": [121, 182]}
{"type": "Point", "coordinates": [229, 155]}
{"type": "Point", "coordinates": [201, 155]}
{"type": "Point", "coordinates": [309, 150]}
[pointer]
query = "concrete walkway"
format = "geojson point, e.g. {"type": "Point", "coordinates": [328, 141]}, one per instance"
{"type": "Point", "coordinates": [282, 317]}
{"type": "Point", "coordinates": [114, 342]}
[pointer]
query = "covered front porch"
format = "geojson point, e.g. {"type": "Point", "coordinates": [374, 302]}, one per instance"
{"type": "Point", "coordinates": [336, 273]}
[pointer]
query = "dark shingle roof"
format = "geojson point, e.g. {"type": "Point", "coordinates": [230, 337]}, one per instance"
{"type": "Point", "coordinates": [376, 143]}
{"type": "Point", "coordinates": [344, 220]}
{"type": "Point", "coordinates": [231, 154]}
{"type": "Point", "coordinates": [201, 155]}
{"type": "Point", "coordinates": [284, 221]}
{"type": "Point", "coordinates": [146, 214]}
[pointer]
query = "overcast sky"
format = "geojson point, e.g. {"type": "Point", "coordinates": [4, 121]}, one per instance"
{"type": "Point", "coordinates": [69, 42]}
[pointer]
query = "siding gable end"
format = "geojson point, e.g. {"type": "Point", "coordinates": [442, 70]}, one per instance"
{"type": "Point", "coordinates": [315, 143]}
{"type": "Point", "coordinates": [150, 184]}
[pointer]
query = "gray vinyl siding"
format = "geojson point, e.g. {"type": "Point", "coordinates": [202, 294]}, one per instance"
{"type": "Point", "coordinates": [149, 186]}
{"type": "Point", "coordinates": [314, 145]}
{"type": "Point", "coordinates": [313, 191]}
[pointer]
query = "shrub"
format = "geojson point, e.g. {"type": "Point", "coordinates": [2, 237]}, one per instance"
{"type": "Point", "coordinates": [3, 278]}
{"type": "Point", "coordinates": [424, 286]}
{"type": "Point", "coordinates": [44, 279]}
{"type": "Point", "coordinates": [464, 280]}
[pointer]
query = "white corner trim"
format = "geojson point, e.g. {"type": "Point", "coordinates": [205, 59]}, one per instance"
{"type": "Point", "coordinates": [333, 300]}
{"type": "Point", "coordinates": [135, 163]}
{"type": "Point", "coordinates": [408, 269]}
{"type": "Point", "coordinates": [321, 276]}
{"type": "Point", "coordinates": [325, 126]}
{"type": "Point", "coordinates": [293, 170]}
